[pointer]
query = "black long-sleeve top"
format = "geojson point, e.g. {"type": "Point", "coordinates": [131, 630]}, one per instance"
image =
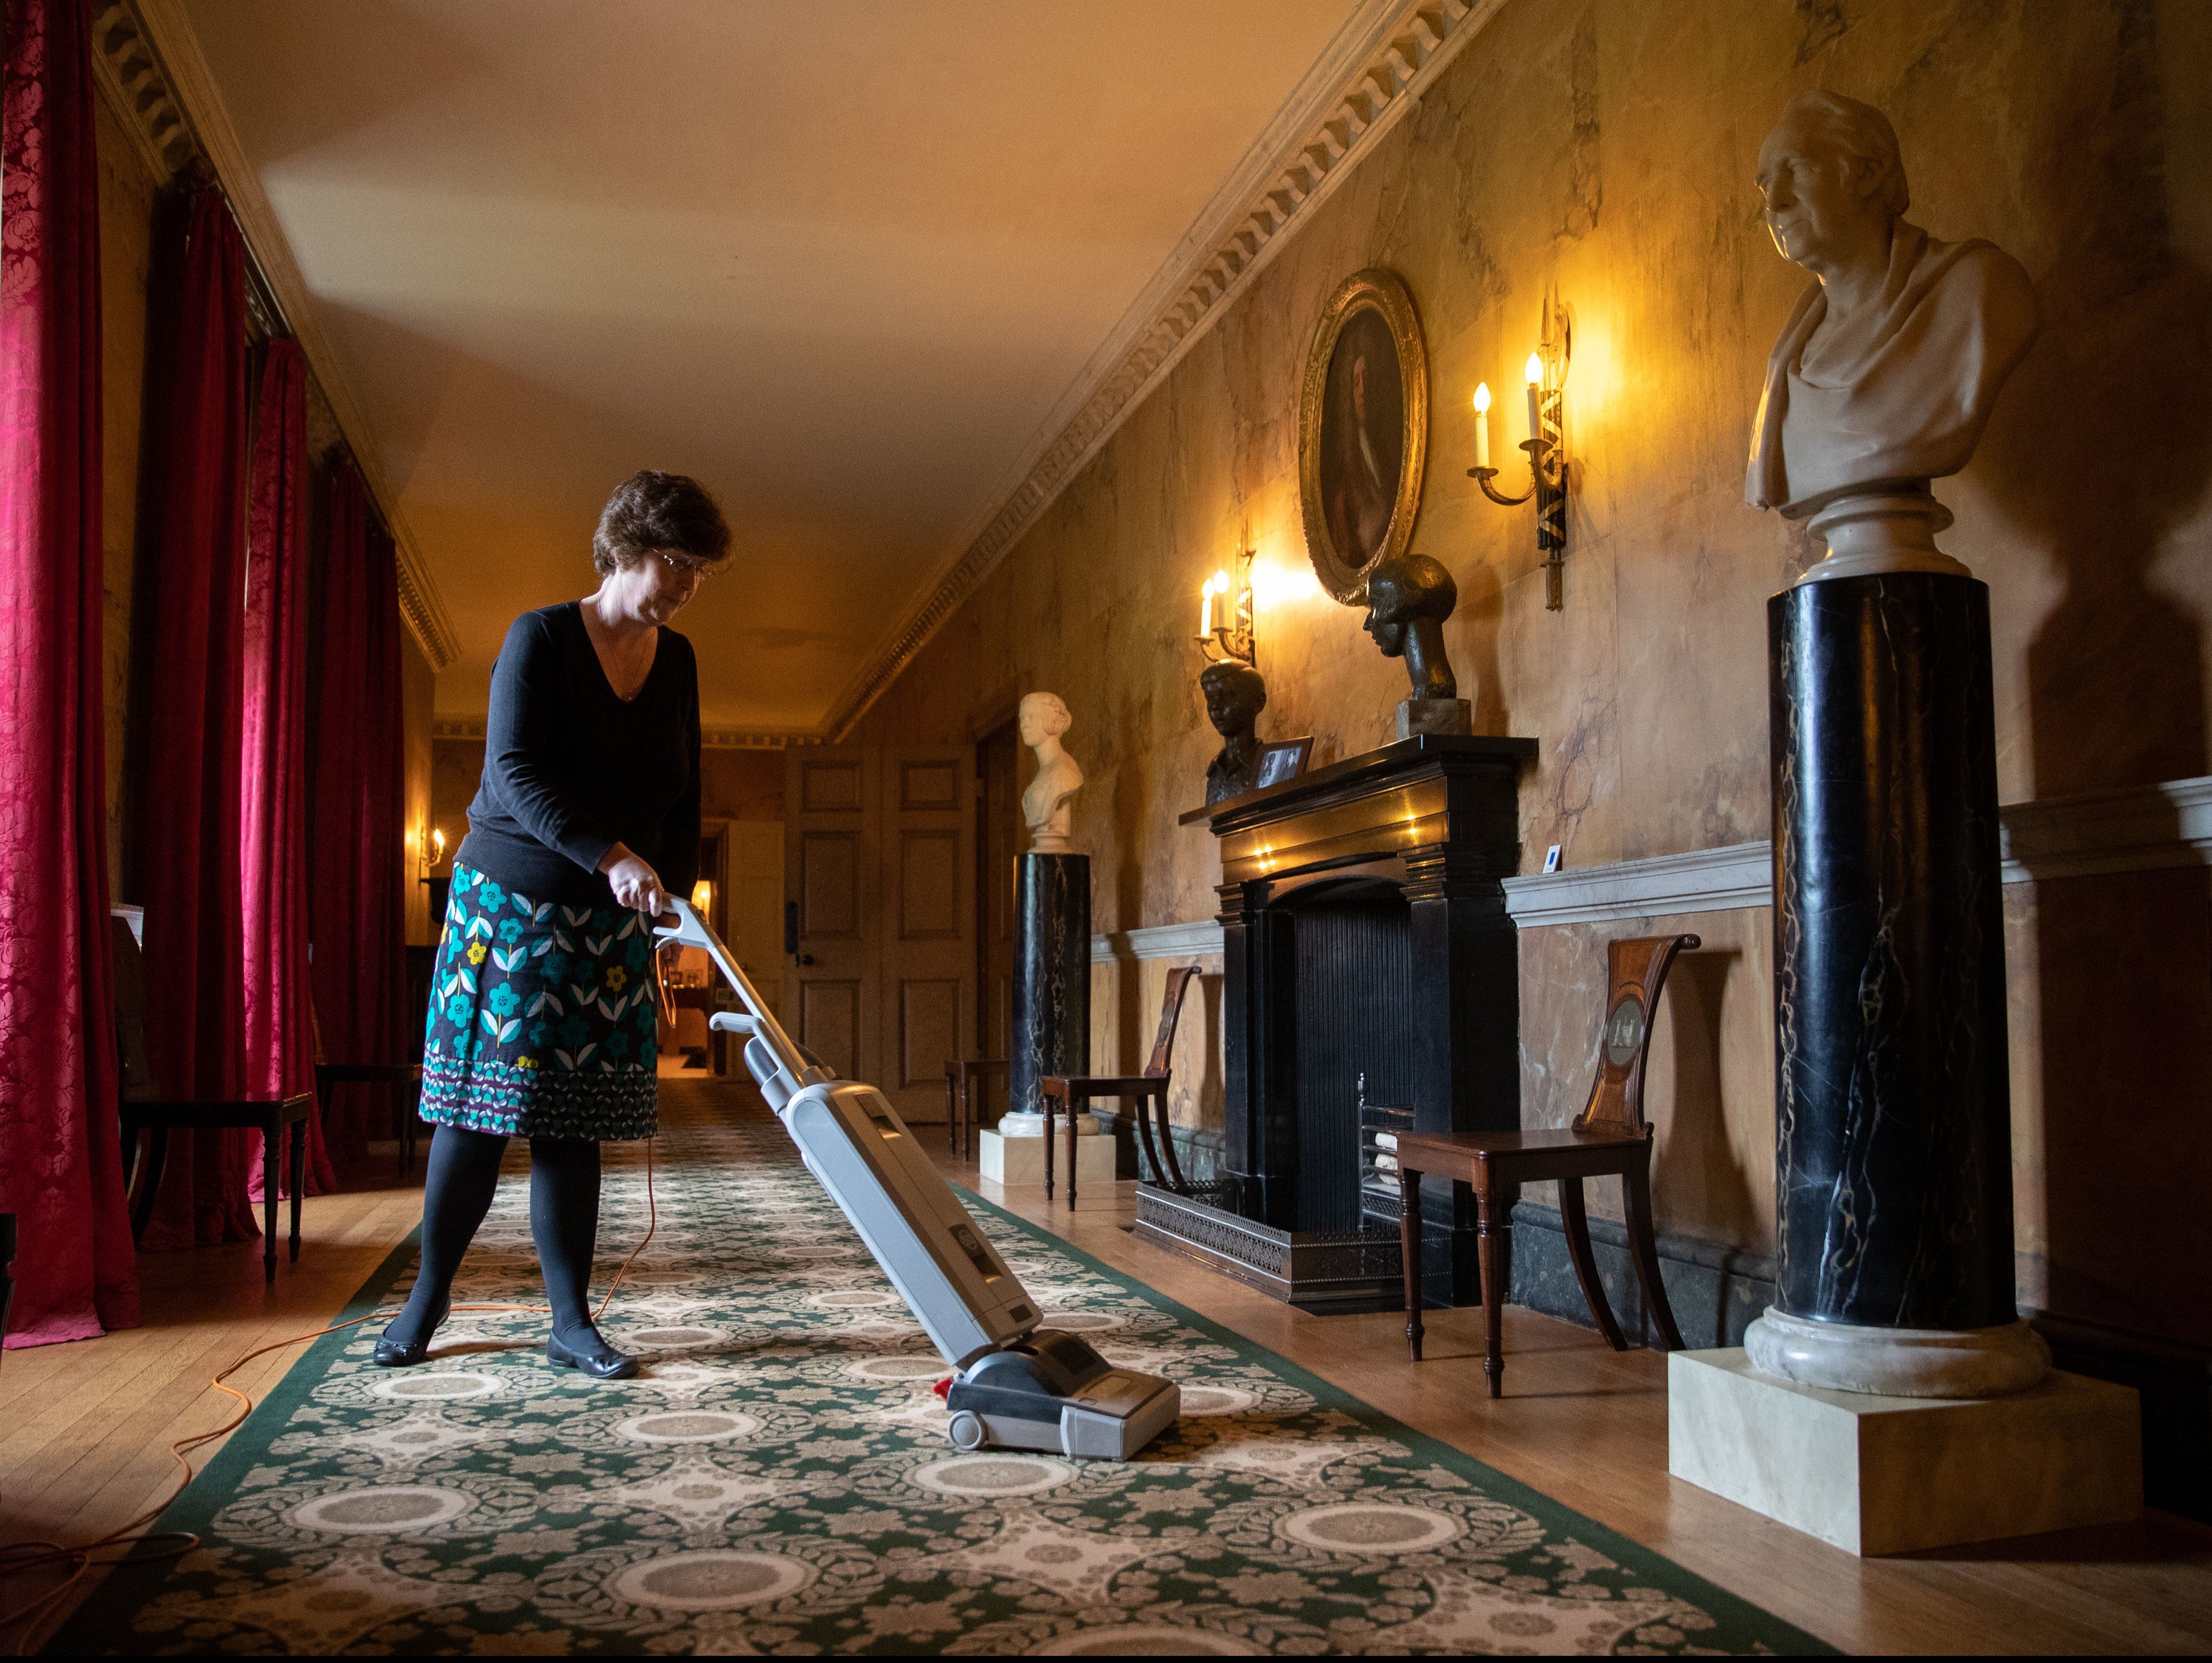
{"type": "Point", "coordinates": [570, 770]}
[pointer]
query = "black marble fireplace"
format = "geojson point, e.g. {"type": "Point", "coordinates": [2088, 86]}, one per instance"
{"type": "Point", "coordinates": [1367, 958]}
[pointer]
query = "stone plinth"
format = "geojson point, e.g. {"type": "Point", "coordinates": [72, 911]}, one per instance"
{"type": "Point", "coordinates": [1018, 1161]}
{"type": "Point", "coordinates": [1888, 1475]}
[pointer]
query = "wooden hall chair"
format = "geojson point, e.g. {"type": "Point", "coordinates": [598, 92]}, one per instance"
{"type": "Point", "coordinates": [142, 1110]}
{"type": "Point", "coordinates": [1610, 1136]}
{"type": "Point", "coordinates": [963, 1075]}
{"type": "Point", "coordinates": [1150, 1088]}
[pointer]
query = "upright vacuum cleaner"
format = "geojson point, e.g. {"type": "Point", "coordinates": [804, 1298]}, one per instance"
{"type": "Point", "coordinates": [1014, 1385]}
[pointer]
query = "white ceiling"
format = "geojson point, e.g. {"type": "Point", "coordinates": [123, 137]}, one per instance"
{"type": "Point", "coordinates": [837, 258]}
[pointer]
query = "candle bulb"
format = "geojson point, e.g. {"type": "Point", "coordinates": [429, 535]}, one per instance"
{"type": "Point", "coordinates": [1482, 424]}
{"type": "Point", "coordinates": [1534, 370]}
{"type": "Point", "coordinates": [1205, 609]}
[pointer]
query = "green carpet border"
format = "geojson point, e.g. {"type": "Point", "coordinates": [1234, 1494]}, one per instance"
{"type": "Point", "coordinates": [1506, 1488]}
{"type": "Point", "coordinates": [100, 1622]}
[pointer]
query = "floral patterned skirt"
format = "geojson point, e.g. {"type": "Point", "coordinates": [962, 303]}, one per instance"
{"type": "Point", "coordinates": [543, 1021]}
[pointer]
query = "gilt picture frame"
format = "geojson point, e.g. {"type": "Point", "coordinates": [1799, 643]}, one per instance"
{"type": "Point", "coordinates": [1363, 430]}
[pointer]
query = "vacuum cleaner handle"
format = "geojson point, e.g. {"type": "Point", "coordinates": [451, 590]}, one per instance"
{"type": "Point", "coordinates": [794, 1072]}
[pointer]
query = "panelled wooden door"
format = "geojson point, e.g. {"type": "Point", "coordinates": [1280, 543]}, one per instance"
{"type": "Point", "coordinates": [928, 923]}
{"type": "Point", "coordinates": [752, 902]}
{"type": "Point", "coordinates": [830, 878]}
{"type": "Point", "coordinates": [879, 864]}
{"type": "Point", "coordinates": [998, 839]}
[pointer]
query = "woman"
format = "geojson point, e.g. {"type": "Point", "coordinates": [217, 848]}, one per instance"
{"type": "Point", "coordinates": [542, 1014]}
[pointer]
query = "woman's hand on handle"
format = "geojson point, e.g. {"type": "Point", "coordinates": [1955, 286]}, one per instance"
{"type": "Point", "coordinates": [635, 885]}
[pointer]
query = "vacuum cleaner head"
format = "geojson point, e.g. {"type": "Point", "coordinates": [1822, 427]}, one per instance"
{"type": "Point", "coordinates": [1052, 1391]}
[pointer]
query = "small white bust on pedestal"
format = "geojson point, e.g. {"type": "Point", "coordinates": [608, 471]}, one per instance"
{"type": "Point", "coordinates": [1045, 808]}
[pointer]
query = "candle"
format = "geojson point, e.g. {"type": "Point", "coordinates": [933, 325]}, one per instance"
{"type": "Point", "coordinates": [1205, 609]}
{"type": "Point", "coordinates": [1534, 370]}
{"type": "Point", "coordinates": [1482, 424]}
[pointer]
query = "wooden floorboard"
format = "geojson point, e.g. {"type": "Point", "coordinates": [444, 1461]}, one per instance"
{"type": "Point", "coordinates": [85, 1430]}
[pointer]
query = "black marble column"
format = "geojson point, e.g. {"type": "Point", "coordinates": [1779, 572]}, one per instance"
{"type": "Point", "coordinates": [1892, 1148]}
{"type": "Point", "coordinates": [1052, 973]}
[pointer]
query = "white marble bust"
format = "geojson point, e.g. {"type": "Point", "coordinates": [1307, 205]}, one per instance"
{"type": "Point", "coordinates": [1886, 373]}
{"type": "Point", "coordinates": [1045, 808]}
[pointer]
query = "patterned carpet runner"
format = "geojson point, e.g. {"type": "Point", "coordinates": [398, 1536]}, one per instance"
{"type": "Point", "coordinates": [778, 1480]}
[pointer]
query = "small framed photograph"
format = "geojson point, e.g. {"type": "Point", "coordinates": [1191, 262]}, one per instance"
{"type": "Point", "coordinates": [1552, 859]}
{"type": "Point", "coordinates": [1283, 759]}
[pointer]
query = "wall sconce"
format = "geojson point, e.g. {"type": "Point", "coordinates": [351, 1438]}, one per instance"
{"type": "Point", "coordinates": [702, 896]}
{"type": "Point", "coordinates": [1547, 373]}
{"type": "Point", "coordinates": [431, 846]}
{"type": "Point", "coordinates": [1224, 615]}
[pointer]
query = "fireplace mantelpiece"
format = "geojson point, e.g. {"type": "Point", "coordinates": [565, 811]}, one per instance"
{"type": "Point", "coordinates": [1368, 892]}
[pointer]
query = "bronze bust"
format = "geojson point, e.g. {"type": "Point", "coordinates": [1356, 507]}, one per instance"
{"type": "Point", "coordinates": [1408, 598]}
{"type": "Point", "coordinates": [1235, 694]}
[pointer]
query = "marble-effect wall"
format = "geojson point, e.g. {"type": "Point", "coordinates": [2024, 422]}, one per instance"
{"type": "Point", "coordinates": [1607, 147]}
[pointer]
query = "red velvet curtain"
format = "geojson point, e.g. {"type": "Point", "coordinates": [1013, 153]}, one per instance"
{"type": "Point", "coordinates": [60, 1171]}
{"type": "Point", "coordinates": [360, 927]}
{"type": "Point", "coordinates": [280, 1055]}
{"type": "Point", "coordinates": [194, 956]}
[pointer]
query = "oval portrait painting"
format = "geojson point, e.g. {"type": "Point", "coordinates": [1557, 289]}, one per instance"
{"type": "Point", "coordinates": [1361, 430]}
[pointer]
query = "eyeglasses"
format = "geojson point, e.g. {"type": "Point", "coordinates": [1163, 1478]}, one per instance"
{"type": "Point", "coordinates": [688, 566]}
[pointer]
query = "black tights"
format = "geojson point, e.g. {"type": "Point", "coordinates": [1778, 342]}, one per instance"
{"type": "Point", "coordinates": [564, 1219]}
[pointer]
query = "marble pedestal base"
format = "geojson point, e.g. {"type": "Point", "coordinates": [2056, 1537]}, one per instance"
{"type": "Point", "coordinates": [1020, 1161]}
{"type": "Point", "coordinates": [1898, 1363]}
{"type": "Point", "coordinates": [1888, 1475]}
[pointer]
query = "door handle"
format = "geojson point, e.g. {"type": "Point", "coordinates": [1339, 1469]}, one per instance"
{"type": "Point", "coordinates": [805, 958]}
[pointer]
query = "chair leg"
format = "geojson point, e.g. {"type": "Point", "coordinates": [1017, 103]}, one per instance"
{"type": "Point", "coordinates": [299, 1153]}
{"type": "Point", "coordinates": [272, 1148]}
{"type": "Point", "coordinates": [1494, 1232]}
{"type": "Point", "coordinates": [1636, 1193]}
{"type": "Point", "coordinates": [1176, 1181]}
{"type": "Point", "coordinates": [1044, 1103]}
{"type": "Point", "coordinates": [149, 1187]}
{"type": "Point", "coordinates": [1075, 1106]}
{"type": "Point", "coordinates": [1409, 1250]}
{"type": "Point", "coordinates": [1576, 1223]}
{"type": "Point", "coordinates": [1145, 1141]}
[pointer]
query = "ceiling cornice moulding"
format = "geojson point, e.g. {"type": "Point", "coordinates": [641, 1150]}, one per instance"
{"type": "Point", "coordinates": [172, 55]}
{"type": "Point", "coordinates": [1369, 75]}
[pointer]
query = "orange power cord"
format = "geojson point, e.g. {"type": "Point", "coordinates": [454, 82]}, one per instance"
{"type": "Point", "coordinates": [17, 1557]}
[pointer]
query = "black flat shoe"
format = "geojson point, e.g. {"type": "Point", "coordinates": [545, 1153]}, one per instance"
{"type": "Point", "coordinates": [391, 1354]}
{"type": "Point", "coordinates": [609, 1364]}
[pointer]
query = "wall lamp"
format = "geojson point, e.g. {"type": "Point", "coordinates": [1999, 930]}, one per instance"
{"type": "Point", "coordinates": [1224, 615]}
{"type": "Point", "coordinates": [432, 847]}
{"type": "Point", "coordinates": [1546, 374]}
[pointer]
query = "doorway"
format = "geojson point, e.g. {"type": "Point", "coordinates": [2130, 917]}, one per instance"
{"type": "Point", "coordinates": [998, 839]}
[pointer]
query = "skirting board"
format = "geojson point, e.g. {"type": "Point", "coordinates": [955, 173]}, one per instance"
{"type": "Point", "coordinates": [1716, 1291]}
{"type": "Point", "coordinates": [1196, 1150]}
